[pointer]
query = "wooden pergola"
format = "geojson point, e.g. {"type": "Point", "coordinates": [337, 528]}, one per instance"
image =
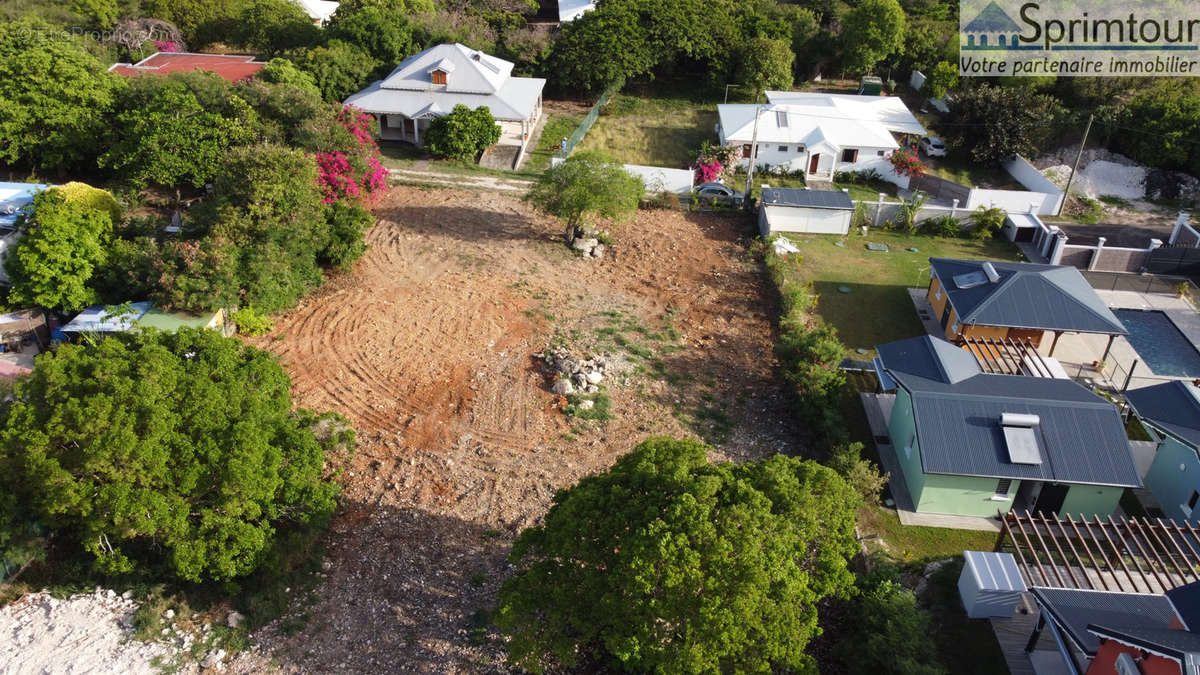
{"type": "Point", "coordinates": [1008, 356]}
{"type": "Point", "coordinates": [1130, 555]}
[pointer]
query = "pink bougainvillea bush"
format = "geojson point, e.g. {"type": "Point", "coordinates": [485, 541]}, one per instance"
{"type": "Point", "coordinates": [907, 164]}
{"type": "Point", "coordinates": [716, 163]}
{"type": "Point", "coordinates": [355, 172]}
{"type": "Point", "coordinates": [166, 46]}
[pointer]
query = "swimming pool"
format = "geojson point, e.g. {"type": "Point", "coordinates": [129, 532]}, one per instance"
{"type": "Point", "coordinates": [1160, 344]}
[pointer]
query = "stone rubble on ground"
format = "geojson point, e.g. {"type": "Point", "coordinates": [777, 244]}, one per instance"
{"type": "Point", "coordinates": [586, 241]}
{"type": "Point", "coordinates": [571, 374]}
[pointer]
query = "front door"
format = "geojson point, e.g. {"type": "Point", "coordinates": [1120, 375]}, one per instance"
{"type": "Point", "coordinates": [1050, 500]}
{"type": "Point", "coordinates": [812, 163]}
{"type": "Point", "coordinates": [946, 314]}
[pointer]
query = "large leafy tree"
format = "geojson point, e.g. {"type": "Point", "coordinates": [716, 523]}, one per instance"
{"type": "Point", "coordinates": [274, 26]}
{"type": "Point", "coordinates": [766, 64]}
{"type": "Point", "coordinates": [64, 245]}
{"type": "Point", "coordinates": [668, 563]}
{"type": "Point", "coordinates": [167, 137]}
{"type": "Point", "coordinates": [382, 32]}
{"type": "Point", "coordinates": [54, 96]}
{"type": "Point", "coordinates": [462, 133]}
{"type": "Point", "coordinates": [174, 453]}
{"type": "Point", "coordinates": [282, 71]}
{"type": "Point", "coordinates": [995, 123]}
{"type": "Point", "coordinates": [889, 633]}
{"type": "Point", "coordinates": [587, 184]}
{"type": "Point", "coordinates": [339, 69]}
{"type": "Point", "coordinates": [601, 48]}
{"type": "Point", "coordinates": [202, 22]}
{"type": "Point", "coordinates": [1167, 117]}
{"type": "Point", "coordinates": [872, 31]}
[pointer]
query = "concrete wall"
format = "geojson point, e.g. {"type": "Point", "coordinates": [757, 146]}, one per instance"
{"type": "Point", "coordinates": [1119, 259]}
{"type": "Point", "coordinates": [1015, 201]}
{"type": "Point", "coordinates": [1172, 485]}
{"type": "Point", "coordinates": [1091, 500]}
{"type": "Point", "coordinates": [659, 179]}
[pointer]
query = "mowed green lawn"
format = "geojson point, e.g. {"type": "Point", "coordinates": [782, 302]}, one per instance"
{"type": "Point", "coordinates": [877, 309]}
{"type": "Point", "coordinates": [661, 131]}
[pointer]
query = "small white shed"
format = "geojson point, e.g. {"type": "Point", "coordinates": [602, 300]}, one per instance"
{"type": "Point", "coordinates": [803, 210]}
{"type": "Point", "coordinates": [990, 584]}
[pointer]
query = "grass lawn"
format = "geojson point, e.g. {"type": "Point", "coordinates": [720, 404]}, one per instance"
{"type": "Point", "coordinates": [557, 128]}
{"type": "Point", "coordinates": [877, 309]}
{"type": "Point", "coordinates": [663, 130]}
{"type": "Point", "coordinates": [915, 544]}
{"type": "Point", "coordinates": [965, 171]}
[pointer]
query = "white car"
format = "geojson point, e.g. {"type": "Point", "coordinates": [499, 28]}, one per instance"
{"type": "Point", "coordinates": [932, 146]}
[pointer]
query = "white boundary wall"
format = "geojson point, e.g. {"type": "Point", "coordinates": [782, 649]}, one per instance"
{"type": "Point", "coordinates": [1042, 190]}
{"type": "Point", "coordinates": [659, 179]}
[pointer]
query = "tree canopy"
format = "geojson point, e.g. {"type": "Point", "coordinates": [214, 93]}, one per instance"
{"type": "Point", "coordinates": [63, 247]}
{"type": "Point", "coordinates": [872, 31]}
{"type": "Point", "coordinates": [766, 64]}
{"type": "Point", "coordinates": [170, 453]}
{"type": "Point", "coordinates": [587, 184]}
{"type": "Point", "coordinates": [339, 69]}
{"type": "Point", "coordinates": [668, 563]}
{"type": "Point", "coordinates": [54, 96]}
{"type": "Point", "coordinates": [282, 71]}
{"type": "Point", "coordinates": [994, 123]}
{"type": "Point", "coordinates": [462, 133]}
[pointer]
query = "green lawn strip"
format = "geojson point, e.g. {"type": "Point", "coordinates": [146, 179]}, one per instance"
{"type": "Point", "coordinates": [919, 545]}
{"type": "Point", "coordinates": [877, 309]}
{"type": "Point", "coordinates": [557, 127]}
{"type": "Point", "coordinates": [965, 171]}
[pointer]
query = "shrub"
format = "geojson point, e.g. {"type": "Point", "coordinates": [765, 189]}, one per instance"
{"type": "Point", "coordinates": [347, 225]}
{"type": "Point", "coordinates": [889, 632]}
{"type": "Point", "coordinates": [907, 164]}
{"type": "Point", "coordinates": [91, 198]}
{"type": "Point", "coordinates": [63, 247]}
{"type": "Point", "coordinates": [987, 222]}
{"type": "Point", "coordinates": [250, 322]}
{"type": "Point", "coordinates": [860, 473]}
{"type": "Point", "coordinates": [463, 133]}
{"type": "Point", "coordinates": [941, 226]}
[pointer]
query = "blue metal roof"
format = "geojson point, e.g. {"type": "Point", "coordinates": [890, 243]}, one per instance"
{"type": "Point", "coordinates": [1179, 644]}
{"type": "Point", "coordinates": [1042, 297]}
{"type": "Point", "coordinates": [96, 319]}
{"type": "Point", "coordinates": [957, 410]}
{"type": "Point", "coordinates": [15, 200]}
{"type": "Point", "coordinates": [813, 199]}
{"type": "Point", "coordinates": [1075, 609]}
{"type": "Point", "coordinates": [1173, 406]}
{"type": "Point", "coordinates": [1186, 600]}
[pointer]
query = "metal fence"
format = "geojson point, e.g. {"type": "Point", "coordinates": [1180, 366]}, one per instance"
{"type": "Point", "coordinates": [590, 119]}
{"type": "Point", "coordinates": [1143, 283]}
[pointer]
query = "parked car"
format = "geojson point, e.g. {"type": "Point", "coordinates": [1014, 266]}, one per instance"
{"type": "Point", "coordinates": [719, 193]}
{"type": "Point", "coordinates": [932, 146]}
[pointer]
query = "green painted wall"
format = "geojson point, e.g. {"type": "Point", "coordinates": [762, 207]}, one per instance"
{"type": "Point", "coordinates": [963, 495]}
{"type": "Point", "coordinates": [1170, 486]}
{"type": "Point", "coordinates": [901, 428]}
{"type": "Point", "coordinates": [1090, 500]}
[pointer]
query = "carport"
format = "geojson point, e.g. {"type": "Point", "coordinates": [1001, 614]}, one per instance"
{"type": "Point", "coordinates": [805, 211]}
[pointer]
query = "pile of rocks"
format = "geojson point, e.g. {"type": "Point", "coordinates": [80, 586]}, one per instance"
{"type": "Point", "coordinates": [585, 240]}
{"type": "Point", "coordinates": [571, 374]}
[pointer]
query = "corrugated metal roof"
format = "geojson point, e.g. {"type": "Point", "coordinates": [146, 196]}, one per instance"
{"type": "Point", "coordinates": [813, 199]}
{"type": "Point", "coordinates": [16, 199]}
{"type": "Point", "coordinates": [1074, 610]}
{"type": "Point", "coordinates": [1177, 643]}
{"type": "Point", "coordinates": [994, 571]}
{"type": "Point", "coordinates": [957, 410]}
{"type": "Point", "coordinates": [232, 67]}
{"type": "Point", "coordinates": [97, 319]}
{"type": "Point", "coordinates": [1186, 600]}
{"type": "Point", "coordinates": [1174, 406]}
{"type": "Point", "coordinates": [1046, 297]}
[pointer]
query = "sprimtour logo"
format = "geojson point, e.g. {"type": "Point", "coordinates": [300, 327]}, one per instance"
{"type": "Point", "coordinates": [1157, 38]}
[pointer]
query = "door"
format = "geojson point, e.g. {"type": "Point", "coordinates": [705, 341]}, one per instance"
{"type": "Point", "coordinates": [946, 314]}
{"type": "Point", "coordinates": [1051, 499]}
{"type": "Point", "coordinates": [813, 162]}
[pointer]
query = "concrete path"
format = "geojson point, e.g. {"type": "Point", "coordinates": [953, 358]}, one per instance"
{"type": "Point", "coordinates": [460, 180]}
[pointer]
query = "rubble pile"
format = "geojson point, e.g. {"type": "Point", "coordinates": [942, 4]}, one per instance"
{"type": "Point", "coordinates": [573, 375]}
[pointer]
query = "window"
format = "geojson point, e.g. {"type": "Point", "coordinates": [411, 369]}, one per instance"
{"type": "Point", "coordinates": [781, 118]}
{"type": "Point", "coordinates": [938, 295]}
{"type": "Point", "coordinates": [746, 150]}
{"type": "Point", "coordinates": [879, 153]}
{"type": "Point", "coordinates": [800, 148]}
{"type": "Point", "coordinates": [783, 148]}
{"type": "Point", "coordinates": [954, 328]}
{"type": "Point", "coordinates": [850, 155]}
{"type": "Point", "coordinates": [912, 440]}
{"type": "Point", "coordinates": [1191, 503]}
{"type": "Point", "coordinates": [439, 77]}
{"type": "Point", "coordinates": [1002, 487]}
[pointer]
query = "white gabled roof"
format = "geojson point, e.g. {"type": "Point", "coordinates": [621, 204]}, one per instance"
{"type": "Point", "coordinates": [473, 79]}
{"type": "Point", "coordinates": [569, 10]}
{"type": "Point", "coordinates": [474, 71]}
{"type": "Point", "coordinates": [318, 10]}
{"type": "Point", "coordinates": [889, 111]}
{"type": "Point", "coordinates": [737, 121]}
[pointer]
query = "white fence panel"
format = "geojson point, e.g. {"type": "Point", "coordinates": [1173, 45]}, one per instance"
{"type": "Point", "coordinates": [659, 179]}
{"type": "Point", "coordinates": [1015, 201]}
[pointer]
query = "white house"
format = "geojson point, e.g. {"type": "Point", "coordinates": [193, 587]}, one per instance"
{"type": "Point", "coordinates": [430, 83]}
{"type": "Point", "coordinates": [318, 10]}
{"type": "Point", "coordinates": [569, 10]}
{"type": "Point", "coordinates": [819, 133]}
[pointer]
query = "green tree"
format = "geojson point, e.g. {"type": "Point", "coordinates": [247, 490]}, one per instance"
{"type": "Point", "coordinates": [871, 32]}
{"type": "Point", "coordinates": [601, 48]}
{"type": "Point", "coordinates": [1167, 119]}
{"type": "Point", "coordinates": [62, 247]}
{"type": "Point", "coordinates": [347, 225]}
{"type": "Point", "coordinates": [383, 33]}
{"type": "Point", "coordinates": [994, 123]}
{"type": "Point", "coordinates": [274, 26]}
{"type": "Point", "coordinates": [462, 133]}
{"type": "Point", "coordinates": [766, 64]}
{"type": "Point", "coordinates": [407, 7]}
{"type": "Point", "coordinates": [588, 184]}
{"type": "Point", "coordinates": [202, 22]}
{"type": "Point", "coordinates": [284, 72]}
{"type": "Point", "coordinates": [888, 633]}
{"type": "Point", "coordinates": [166, 137]}
{"type": "Point", "coordinates": [668, 563]}
{"type": "Point", "coordinates": [339, 68]}
{"type": "Point", "coordinates": [941, 79]}
{"type": "Point", "coordinates": [171, 453]}
{"type": "Point", "coordinates": [102, 14]}
{"type": "Point", "coordinates": [54, 97]}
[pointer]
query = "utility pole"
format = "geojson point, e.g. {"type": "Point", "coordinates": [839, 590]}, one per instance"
{"type": "Point", "coordinates": [753, 156]}
{"type": "Point", "coordinates": [727, 87]}
{"type": "Point", "coordinates": [1067, 192]}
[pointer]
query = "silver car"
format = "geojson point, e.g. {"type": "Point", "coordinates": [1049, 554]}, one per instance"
{"type": "Point", "coordinates": [719, 193]}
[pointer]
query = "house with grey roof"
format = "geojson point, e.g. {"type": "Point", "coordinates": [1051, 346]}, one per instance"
{"type": "Point", "coordinates": [972, 443]}
{"type": "Point", "coordinates": [1171, 413]}
{"type": "Point", "coordinates": [992, 300]}
{"type": "Point", "coordinates": [804, 210]}
{"type": "Point", "coordinates": [431, 83]}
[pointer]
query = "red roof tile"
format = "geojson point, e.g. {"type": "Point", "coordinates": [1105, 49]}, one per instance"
{"type": "Point", "coordinates": [232, 67]}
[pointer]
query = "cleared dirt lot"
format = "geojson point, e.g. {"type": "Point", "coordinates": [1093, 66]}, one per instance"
{"type": "Point", "coordinates": [428, 347]}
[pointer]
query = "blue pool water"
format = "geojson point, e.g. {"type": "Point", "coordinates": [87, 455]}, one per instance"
{"type": "Point", "coordinates": [1160, 344]}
